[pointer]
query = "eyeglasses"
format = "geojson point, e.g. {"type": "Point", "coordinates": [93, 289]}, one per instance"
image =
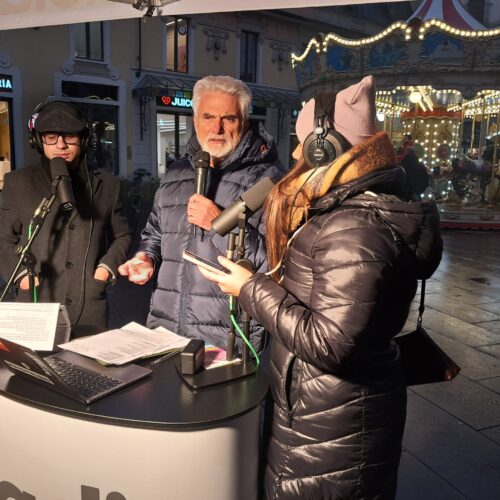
{"type": "Point", "coordinates": [51, 138]}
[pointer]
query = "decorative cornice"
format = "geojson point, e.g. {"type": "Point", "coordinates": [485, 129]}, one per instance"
{"type": "Point", "coordinates": [76, 66]}
{"type": "Point", "coordinates": [216, 41]}
{"type": "Point", "coordinates": [5, 61]}
{"type": "Point", "coordinates": [281, 54]}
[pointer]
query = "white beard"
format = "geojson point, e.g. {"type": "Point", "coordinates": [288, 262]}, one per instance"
{"type": "Point", "coordinates": [219, 152]}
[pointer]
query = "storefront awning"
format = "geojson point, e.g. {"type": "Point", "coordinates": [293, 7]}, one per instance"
{"type": "Point", "coordinates": [153, 86]}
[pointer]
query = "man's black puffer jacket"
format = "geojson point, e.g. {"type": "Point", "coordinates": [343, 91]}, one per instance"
{"type": "Point", "coordinates": [184, 301]}
{"type": "Point", "coordinates": [335, 375]}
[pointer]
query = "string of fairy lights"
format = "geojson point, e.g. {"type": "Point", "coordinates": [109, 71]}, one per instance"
{"type": "Point", "coordinates": [436, 23]}
{"type": "Point", "coordinates": [487, 102]}
{"type": "Point", "coordinates": [407, 31]}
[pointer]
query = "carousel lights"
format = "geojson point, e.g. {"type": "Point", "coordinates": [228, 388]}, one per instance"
{"type": "Point", "coordinates": [455, 31]}
{"type": "Point", "coordinates": [312, 41]}
{"type": "Point", "coordinates": [385, 106]}
{"type": "Point", "coordinates": [415, 96]}
{"type": "Point", "coordinates": [488, 100]}
{"type": "Point", "coordinates": [398, 25]}
{"type": "Point", "coordinates": [369, 40]}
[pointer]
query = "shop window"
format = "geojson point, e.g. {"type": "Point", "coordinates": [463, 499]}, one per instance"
{"type": "Point", "coordinates": [177, 44]}
{"type": "Point", "coordinates": [5, 139]}
{"type": "Point", "coordinates": [248, 56]}
{"type": "Point", "coordinates": [103, 150]}
{"type": "Point", "coordinates": [86, 90]}
{"type": "Point", "coordinates": [173, 133]}
{"type": "Point", "coordinates": [89, 41]}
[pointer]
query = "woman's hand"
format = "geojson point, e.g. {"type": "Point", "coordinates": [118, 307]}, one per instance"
{"type": "Point", "coordinates": [232, 282]}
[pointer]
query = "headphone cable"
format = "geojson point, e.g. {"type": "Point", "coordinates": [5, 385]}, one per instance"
{"type": "Point", "coordinates": [81, 300]}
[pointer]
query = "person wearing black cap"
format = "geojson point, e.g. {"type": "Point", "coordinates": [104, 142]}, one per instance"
{"type": "Point", "coordinates": [77, 251]}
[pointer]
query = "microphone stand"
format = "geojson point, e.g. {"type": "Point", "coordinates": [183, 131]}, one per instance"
{"type": "Point", "coordinates": [240, 259]}
{"type": "Point", "coordinates": [26, 258]}
{"type": "Point", "coordinates": [232, 371]}
{"type": "Point", "coordinates": [233, 302]}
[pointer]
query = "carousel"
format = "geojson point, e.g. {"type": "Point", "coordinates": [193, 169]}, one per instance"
{"type": "Point", "coordinates": [438, 81]}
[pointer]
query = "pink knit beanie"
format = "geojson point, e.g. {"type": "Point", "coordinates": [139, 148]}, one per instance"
{"type": "Point", "coordinates": [354, 113]}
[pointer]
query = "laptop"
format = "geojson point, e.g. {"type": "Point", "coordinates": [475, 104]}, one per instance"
{"type": "Point", "coordinates": [77, 377]}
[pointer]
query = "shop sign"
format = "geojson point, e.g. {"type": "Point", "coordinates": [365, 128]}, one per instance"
{"type": "Point", "coordinates": [175, 102]}
{"type": "Point", "coordinates": [5, 83]}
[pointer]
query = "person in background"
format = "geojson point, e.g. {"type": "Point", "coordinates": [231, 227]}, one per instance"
{"type": "Point", "coordinates": [77, 252]}
{"type": "Point", "coordinates": [417, 177]}
{"type": "Point", "coordinates": [241, 154]}
{"type": "Point", "coordinates": [346, 250]}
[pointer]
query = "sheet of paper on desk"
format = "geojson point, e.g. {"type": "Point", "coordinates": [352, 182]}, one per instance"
{"type": "Point", "coordinates": [125, 344]}
{"type": "Point", "coordinates": [31, 325]}
{"type": "Point", "coordinates": [215, 356]}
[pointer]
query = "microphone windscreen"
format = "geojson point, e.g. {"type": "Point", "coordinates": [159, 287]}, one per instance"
{"type": "Point", "coordinates": [254, 198]}
{"type": "Point", "coordinates": [58, 168]}
{"type": "Point", "coordinates": [60, 176]}
{"type": "Point", "coordinates": [202, 159]}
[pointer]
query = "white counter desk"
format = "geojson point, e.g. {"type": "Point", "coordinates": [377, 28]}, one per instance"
{"type": "Point", "coordinates": [155, 440]}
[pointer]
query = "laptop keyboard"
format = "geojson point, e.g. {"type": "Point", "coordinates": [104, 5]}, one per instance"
{"type": "Point", "coordinates": [83, 381]}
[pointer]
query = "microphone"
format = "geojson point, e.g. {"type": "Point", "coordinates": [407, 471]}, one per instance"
{"type": "Point", "coordinates": [251, 200]}
{"type": "Point", "coordinates": [201, 165]}
{"type": "Point", "coordinates": [62, 181]}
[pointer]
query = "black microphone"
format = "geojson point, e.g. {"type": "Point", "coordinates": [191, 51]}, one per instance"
{"type": "Point", "coordinates": [62, 181]}
{"type": "Point", "coordinates": [251, 200]}
{"type": "Point", "coordinates": [201, 165]}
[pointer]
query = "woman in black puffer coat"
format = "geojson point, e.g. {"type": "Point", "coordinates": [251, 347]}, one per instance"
{"type": "Point", "coordinates": [349, 250]}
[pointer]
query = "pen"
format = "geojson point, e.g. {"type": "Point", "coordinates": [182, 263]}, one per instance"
{"type": "Point", "coordinates": [164, 357]}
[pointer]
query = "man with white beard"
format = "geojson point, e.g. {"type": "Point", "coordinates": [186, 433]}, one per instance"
{"type": "Point", "coordinates": [240, 155]}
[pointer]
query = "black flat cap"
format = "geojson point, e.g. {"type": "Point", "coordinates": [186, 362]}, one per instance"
{"type": "Point", "coordinates": [60, 117]}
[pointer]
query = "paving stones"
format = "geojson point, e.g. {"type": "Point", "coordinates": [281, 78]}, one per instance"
{"type": "Point", "coordinates": [452, 436]}
{"type": "Point", "coordinates": [462, 457]}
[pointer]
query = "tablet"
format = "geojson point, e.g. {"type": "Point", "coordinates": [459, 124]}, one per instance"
{"type": "Point", "coordinates": [205, 263]}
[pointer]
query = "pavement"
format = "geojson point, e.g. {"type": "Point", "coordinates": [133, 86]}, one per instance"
{"type": "Point", "coordinates": [452, 437]}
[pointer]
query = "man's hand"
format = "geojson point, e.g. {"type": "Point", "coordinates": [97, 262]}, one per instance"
{"type": "Point", "coordinates": [201, 211]}
{"type": "Point", "coordinates": [139, 269]}
{"type": "Point", "coordinates": [101, 274]}
{"type": "Point", "coordinates": [24, 284]}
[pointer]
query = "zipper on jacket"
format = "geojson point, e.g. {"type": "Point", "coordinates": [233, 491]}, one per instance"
{"type": "Point", "coordinates": [182, 315]}
{"type": "Point", "coordinates": [289, 415]}
{"type": "Point", "coordinates": [291, 412]}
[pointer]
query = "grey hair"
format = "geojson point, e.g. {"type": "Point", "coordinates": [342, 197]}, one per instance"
{"type": "Point", "coordinates": [227, 85]}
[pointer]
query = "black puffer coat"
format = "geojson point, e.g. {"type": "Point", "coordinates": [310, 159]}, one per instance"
{"type": "Point", "coordinates": [183, 300]}
{"type": "Point", "coordinates": [336, 380]}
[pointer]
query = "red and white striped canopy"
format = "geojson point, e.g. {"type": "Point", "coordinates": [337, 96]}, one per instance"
{"type": "Point", "coordinates": [451, 12]}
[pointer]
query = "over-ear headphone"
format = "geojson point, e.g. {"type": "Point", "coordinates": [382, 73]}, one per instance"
{"type": "Point", "coordinates": [324, 144]}
{"type": "Point", "coordinates": [35, 139]}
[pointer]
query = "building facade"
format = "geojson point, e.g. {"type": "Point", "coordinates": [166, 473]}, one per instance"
{"type": "Point", "coordinates": [134, 79]}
